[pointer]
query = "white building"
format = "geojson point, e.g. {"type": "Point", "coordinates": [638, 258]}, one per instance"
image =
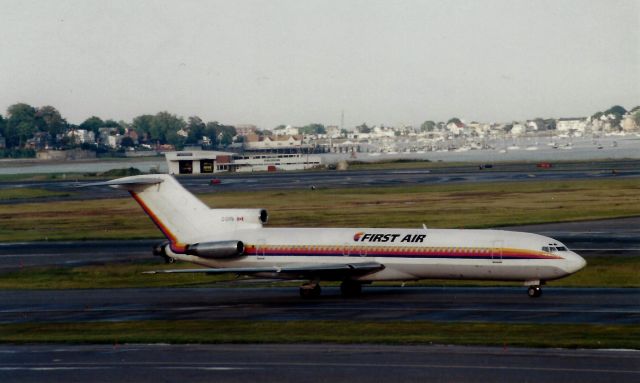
{"type": "Point", "coordinates": [81, 136]}
{"type": "Point", "coordinates": [571, 124]}
{"type": "Point", "coordinates": [210, 162]}
{"type": "Point", "coordinates": [254, 142]}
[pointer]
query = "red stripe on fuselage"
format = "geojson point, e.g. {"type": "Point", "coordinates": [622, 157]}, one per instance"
{"type": "Point", "coordinates": [399, 252]}
{"type": "Point", "coordinates": [176, 246]}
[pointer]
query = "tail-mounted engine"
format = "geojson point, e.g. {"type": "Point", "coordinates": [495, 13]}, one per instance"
{"type": "Point", "coordinates": [217, 250]}
{"type": "Point", "coordinates": [160, 250]}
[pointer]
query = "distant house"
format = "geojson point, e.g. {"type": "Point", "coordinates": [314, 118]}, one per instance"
{"type": "Point", "coordinates": [40, 141]}
{"type": "Point", "coordinates": [456, 128]}
{"type": "Point", "coordinates": [629, 123]}
{"type": "Point", "coordinates": [82, 136]}
{"type": "Point", "coordinates": [286, 131]}
{"type": "Point", "coordinates": [246, 129]}
{"type": "Point", "coordinates": [255, 142]}
{"type": "Point", "coordinates": [571, 124]}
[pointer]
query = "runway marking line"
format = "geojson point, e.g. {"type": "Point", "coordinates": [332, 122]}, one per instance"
{"type": "Point", "coordinates": [253, 365]}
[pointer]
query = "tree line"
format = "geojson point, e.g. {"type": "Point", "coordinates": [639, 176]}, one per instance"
{"type": "Point", "coordinates": [23, 122]}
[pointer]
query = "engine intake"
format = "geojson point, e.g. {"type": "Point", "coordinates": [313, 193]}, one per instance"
{"type": "Point", "coordinates": [217, 250]}
{"type": "Point", "coordinates": [159, 249]}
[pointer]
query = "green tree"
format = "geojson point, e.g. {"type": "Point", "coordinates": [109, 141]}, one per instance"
{"type": "Point", "coordinates": [220, 135]}
{"type": "Point", "coordinates": [164, 128]}
{"type": "Point", "coordinates": [616, 110]}
{"type": "Point", "coordinates": [314, 128]}
{"type": "Point", "coordinates": [127, 142]}
{"type": "Point", "coordinates": [49, 120]}
{"type": "Point", "coordinates": [111, 124]}
{"type": "Point", "coordinates": [3, 125]}
{"type": "Point", "coordinates": [196, 128]}
{"type": "Point", "coordinates": [21, 124]}
{"type": "Point", "coordinates": [142, 126]}
{"type": "Point", "coordinates": [93, 124]}
{"type": "Point", "coordinates": [363, 128]}
{"type": "Point", "coordinates": [455, 120]}
{"type": "Point", "coordinates": [428, 126]}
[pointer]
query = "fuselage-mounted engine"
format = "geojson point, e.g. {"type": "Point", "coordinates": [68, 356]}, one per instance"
{"type": "Point", "coordinates": [217, 250]}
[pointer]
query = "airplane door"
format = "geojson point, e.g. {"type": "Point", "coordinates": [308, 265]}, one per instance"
{"type": "Point", "coordinates": [496, 251]}
{"type": "Point", "coordinates": [260, 246]}
{"type": "Point", "coordinates": [346, 249]}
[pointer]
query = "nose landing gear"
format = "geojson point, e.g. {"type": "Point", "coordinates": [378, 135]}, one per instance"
{"type": "Point", "coordinates": [534, 291]}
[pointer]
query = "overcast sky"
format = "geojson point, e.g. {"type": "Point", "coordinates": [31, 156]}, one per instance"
{"type": "Point", "coordinates": [297, 62]}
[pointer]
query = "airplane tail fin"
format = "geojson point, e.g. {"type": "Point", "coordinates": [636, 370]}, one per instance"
{"type": "Point", "coordinates": [180, 215]}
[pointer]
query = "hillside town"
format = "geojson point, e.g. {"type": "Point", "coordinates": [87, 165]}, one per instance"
{"type": "Point", "coordinates": [42, 132]}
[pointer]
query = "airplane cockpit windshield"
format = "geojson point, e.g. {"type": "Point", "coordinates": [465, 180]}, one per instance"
{"type": "Point", "coordinates": [553, 248]}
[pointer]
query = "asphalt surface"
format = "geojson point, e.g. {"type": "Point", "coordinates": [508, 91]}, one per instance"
{"type": "Point", "coordinates": [351, 178]}
{"type": "Point", "coordinates": [446, 304]}
{"type": "Point", "coordinates": [312, 363]}
{"type": "Point", "coordinates": [17, 255]}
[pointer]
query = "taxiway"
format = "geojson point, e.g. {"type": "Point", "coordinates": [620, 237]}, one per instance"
{"type": "Point", "coordinates": [377, 303]}
{"type": "Point", "coordinates": [317, 363]}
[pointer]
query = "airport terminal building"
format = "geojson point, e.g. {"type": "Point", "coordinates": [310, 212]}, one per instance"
{"type": "Point", "coordinates": [211, 162]}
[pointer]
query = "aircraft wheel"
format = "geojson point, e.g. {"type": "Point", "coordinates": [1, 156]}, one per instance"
{"type": "Point", "coordinates": [534, 291]}
{"type": "Point", "coordinates": [310, 290]}
{"type": "Point", "coordinates": [350, 288]}
{"type": "Point", "coordinates": [169, 260]}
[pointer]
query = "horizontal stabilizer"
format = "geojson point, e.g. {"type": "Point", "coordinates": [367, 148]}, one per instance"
{"type": "Point", "coordinates": [325, 269]}
{"type": "Point", "coordinates": [128, 181]}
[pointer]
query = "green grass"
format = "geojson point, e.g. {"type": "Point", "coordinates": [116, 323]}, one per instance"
{"type": "Point", "coordinates": [26, 193]}
{"type": "Point", "coordinates": [114, 275]}
{"type": "Point", "coordinates": [601, 272]}
{"type": "Point", "coordinates": [441, 206]}
{"type": "Point", "coordinates": [396, 332]}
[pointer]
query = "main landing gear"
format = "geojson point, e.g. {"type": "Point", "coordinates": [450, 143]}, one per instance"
{"type": "Point", "coordinates": [310, 290]}
{"type": "Point", "coordinates": [347, 289]}
{"type": "Point", "coordinates": [350, 288]}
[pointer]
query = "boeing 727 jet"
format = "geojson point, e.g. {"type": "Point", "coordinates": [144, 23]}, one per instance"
{"type": "Point", "coordinates": [236, 241]}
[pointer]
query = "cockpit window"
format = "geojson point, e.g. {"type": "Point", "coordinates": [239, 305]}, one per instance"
{"type": "Point", "coordinates": [552, 249]}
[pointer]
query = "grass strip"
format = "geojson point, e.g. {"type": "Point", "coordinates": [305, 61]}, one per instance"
{"type": "Point", "coordinates": [344, 332]}
{"type": "Point", "coordinates": [614, 271]}
{"type": "Point", "coordinates": [438, 206]}
{"type": "Point", "coordinates": [26, 193]}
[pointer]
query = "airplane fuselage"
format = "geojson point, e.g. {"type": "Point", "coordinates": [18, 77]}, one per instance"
{"type": "Point", "coordinates": [407, 254]}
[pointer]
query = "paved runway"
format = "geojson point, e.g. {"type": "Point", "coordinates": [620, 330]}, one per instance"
{"type": "Point", "coordinates": [16, 255]}
{"type": "Point", "coordinates": [351, 178]}
{"type": "Point", "coordinates": [312, 363]}
{"type": "Point", "coordinates": [450, 304]}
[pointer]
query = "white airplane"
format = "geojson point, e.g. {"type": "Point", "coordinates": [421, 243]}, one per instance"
{"type": "Point", "coordinates": [236, 241]}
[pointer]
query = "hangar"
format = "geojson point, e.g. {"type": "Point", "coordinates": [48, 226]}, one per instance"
{"type": "Point", "coordinates": [209, 162]}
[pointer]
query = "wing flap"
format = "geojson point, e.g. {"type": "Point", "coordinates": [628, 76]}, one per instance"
{"type": "Point", "coordinates": [321, 270]}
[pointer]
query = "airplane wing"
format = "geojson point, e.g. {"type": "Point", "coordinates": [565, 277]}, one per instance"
{"type": "Point", "coordinates": [324, 271]}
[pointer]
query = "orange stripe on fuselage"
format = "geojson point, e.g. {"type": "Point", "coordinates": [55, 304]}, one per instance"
{"type": "Point", "coordinates": [176, 246]}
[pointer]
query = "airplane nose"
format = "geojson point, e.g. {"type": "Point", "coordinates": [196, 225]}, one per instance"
{"type": "Point", "coordinates": [575, 263]}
